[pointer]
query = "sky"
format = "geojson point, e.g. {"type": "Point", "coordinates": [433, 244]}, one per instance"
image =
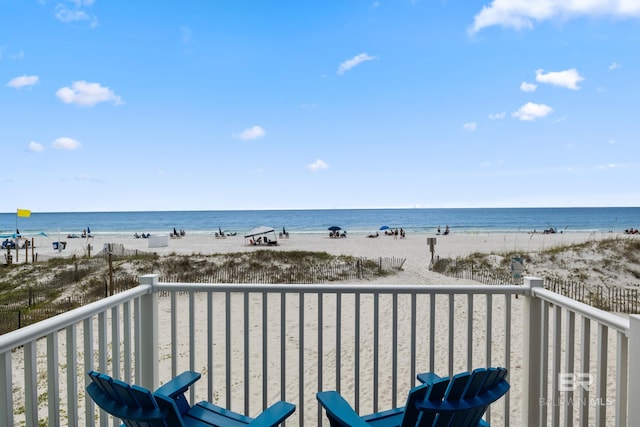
{"type": "Point", "coordinates": [252, 104]}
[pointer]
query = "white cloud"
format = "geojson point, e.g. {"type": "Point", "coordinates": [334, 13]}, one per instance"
{"type": "Point", "coordinates": [356, 60]}
{"type": "Point", "coordinates": [521, 14]}
{"type": "Point", "coordinates": [65, 143]}
{"type": "Point", "coordinates": [22, 81]}
{"type": "Point", "coordinates": [34, 147]}
{"type": "Point", "coordinates": [528, 87]}
{"type": "Point", "coordinates": [611, 141]}
{"type": "Point", "coordinates": [470, 126]}
{"type": "Point", "coordinates": [531, 111]}
{"type": "Point", "coordinates": [567, 78]}
{"type": "Point", "coordinates": [498, 116]}
{"type": "Point", "coordinates": [611, 166]}
{"type": "Point", "coordinates": [254, 132]}
{"type": "Point", "coordinates": [87, 94]}
{"type": "Point", "coordinates": [615, 66]}
{"type": "Point", "coordinates": [75, 13]}
{"type": "Point", "coordinates": [317, 165]}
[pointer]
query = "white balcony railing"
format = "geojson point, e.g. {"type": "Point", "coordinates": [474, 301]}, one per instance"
{"type": "Point", "coordinates": [254, 344]}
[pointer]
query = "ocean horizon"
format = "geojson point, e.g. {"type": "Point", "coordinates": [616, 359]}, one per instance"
{"type": "Point", "coordinates": [412, 220]}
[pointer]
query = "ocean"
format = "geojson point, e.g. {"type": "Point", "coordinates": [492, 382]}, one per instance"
{"type": "Point", "coordinates": [471, 220]}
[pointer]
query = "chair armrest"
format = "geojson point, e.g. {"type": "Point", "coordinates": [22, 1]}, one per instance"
{"type": "Point", "coordinates": [274, 415]}
{"type": "Point", "coordinates": [338, 409]}
{"type": "Point", "coordinates": [179, 384]}
{"type": "Point", "coordinates": [427, 377]}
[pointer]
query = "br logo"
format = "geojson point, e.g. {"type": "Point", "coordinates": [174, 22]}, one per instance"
{"type": "Point", "coordinates": [569, 381]}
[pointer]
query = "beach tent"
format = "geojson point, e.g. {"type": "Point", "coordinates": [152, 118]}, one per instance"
{"type": "Point", "coordinates": [261, 231]}
{"type": "Point", "coordinates": [15, 236]}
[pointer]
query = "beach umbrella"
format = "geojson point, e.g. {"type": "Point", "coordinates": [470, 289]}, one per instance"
{"type": "Point", "coordinates": [384, 227]}
{"type": "Point", "coordinates": [88, 230]}
{"type": "Point", "coordinates": [334, 228]}
{"type": "Point", "coordinates": [284, 231]}
{"type": "Point", "coordinates": [220, 230]}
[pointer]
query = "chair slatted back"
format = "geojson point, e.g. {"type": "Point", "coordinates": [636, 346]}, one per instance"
{"type": "Point", "coordinates": [460, 400]}
{"type": "Point", "coordinates": [135, 406]}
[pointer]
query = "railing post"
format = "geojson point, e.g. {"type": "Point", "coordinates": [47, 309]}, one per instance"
{"type": "Point", "coordinates": [6, 392]}
{"type": "Point", "coordinates": [532, 356]}
{"type": "Point", "coordinates": [148, 360]}
{"type": "Point", "coordinates": [633, 395]}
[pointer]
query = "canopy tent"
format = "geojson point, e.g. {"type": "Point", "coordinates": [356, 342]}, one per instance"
{"type": "Point", "coordinates": [262, 233]}
{"type": "Point", "coordinates": [15, 236]}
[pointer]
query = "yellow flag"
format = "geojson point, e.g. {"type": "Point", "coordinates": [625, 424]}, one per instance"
{"type": "Point", "coordinates": [25, 213]}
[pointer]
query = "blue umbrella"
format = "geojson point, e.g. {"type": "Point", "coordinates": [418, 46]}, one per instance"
{"type": "Point", "coordinates": [384, 227]}
{"type": "Point", "coordinates": [334, 228]}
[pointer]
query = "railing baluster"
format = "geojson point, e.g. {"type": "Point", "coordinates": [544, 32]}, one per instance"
{"type": "Point", "coordinates": [394, 351]}
{"type": "Point", "coordinates": [585, 358]}
{"type": "Point", "coordinates": [72, 375]}
{"type": "Point", "coordinates": [569, 334]}
{"type": "Point", "coordinates": [376, 350]}
{"type": "Point", "coordinates": [601, 375]}
{"type": "Point", "coordinates": [283, 341]}
{"type": "Point", "coordinates": [507, 355]}
{"type": "Point", "coordinates": [320, 347]}
{"type": "Point", "coordinates": [30, 384]}
{"type": "Point", "coordinates": [622, 372]}
{"type": "Point", "coordinates": [301, 373]}
{"type": "Point", "coordinates": [544, 371]}
{"type": "Point", "coordinates": [6, 392]}
{"type": "Point", "coordinates": [87, 331]}
{"type": "Point", "coordinates": [53, 379]}
{"type": "Point", "coordinates": [470, 332]}
{"type": "Point", "coordinates": [174, 334]}
{"type": "Point", "coordinates": [356, 343]}
{"type": "Point", "coordinates": [451, 338]}
{"type": "Point", "coordinates": [414, 338]}
{"type": "Point", "coordinates": [265, 351]}
{"type": "Point", "coordinates": [126, 308]}
{"type": "Point", "coordinates": [556, 368]}
{"type": "Point", "coordinates": [338, 340]}
{"type": "Point", "coordinates": [210, 331]}
{"type": "Point", "coordinates": [228, 354]}
{"type": "Point", "coordinates": [489, 318]}
{"type": "Point", "coordinates": [192, 340]}
{"type": "Point", "coordinates": [115, 341]}
{"type": "Point", "coordinates": [432, 332]}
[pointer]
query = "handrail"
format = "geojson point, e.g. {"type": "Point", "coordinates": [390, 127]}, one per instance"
{"type": "Point", "coordinates": [618, 323]}
{"type": "Point", "coordinates": [30, 333]}
{"type": "Point", "coordinates": [343, 288]}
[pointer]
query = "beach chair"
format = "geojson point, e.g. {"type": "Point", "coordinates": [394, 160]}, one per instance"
{"type": "Point", "coordinates": [167, 406]}
{"type": "Point", "coordinates": [457, 401]}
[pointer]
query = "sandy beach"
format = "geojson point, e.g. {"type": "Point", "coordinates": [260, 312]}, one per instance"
{"type": "Point", "coordinates": [413, 248]}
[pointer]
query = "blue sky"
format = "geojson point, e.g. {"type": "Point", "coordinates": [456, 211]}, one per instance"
{"type": "Point", "coordinates": [231, 104]}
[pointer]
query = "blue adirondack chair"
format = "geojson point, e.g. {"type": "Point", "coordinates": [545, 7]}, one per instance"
{"type": "Point", "coordinates": [167, 406]}
{"type": "Point", "coordinates": [449, 402]}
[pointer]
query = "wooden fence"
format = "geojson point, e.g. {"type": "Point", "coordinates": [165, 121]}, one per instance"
{"type": "Point", "coordinates": [37, 302]}
{"type": "Point", "coordinates": [617, 299]}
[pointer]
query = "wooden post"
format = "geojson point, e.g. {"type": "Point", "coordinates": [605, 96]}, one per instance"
{"type": "Point", "coordinates": [532, 360]}
{"type": "Point", "coordinates": [110, 272]}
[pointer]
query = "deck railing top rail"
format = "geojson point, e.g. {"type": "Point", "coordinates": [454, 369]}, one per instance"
{"type": "Point", "coordinates": [38, 330]}
{"type": "Point", "coordinates": [613, 321]}
{"type": "Point", "coordinates": [345, 288]}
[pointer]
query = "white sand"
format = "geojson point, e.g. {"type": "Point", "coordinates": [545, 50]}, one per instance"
{"type": "Point", "coordinates": [415, 271]}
